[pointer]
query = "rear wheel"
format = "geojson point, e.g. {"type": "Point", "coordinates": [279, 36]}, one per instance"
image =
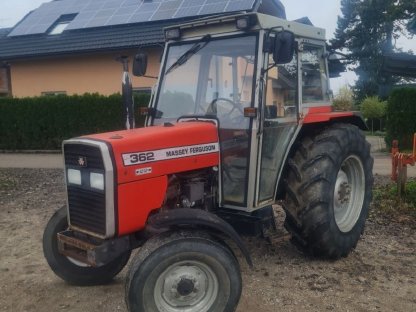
{"type": "Point", "coordinates": [71, 270]}
{"type": "Point", "coordinates": [183, 271]}
{"type": "Point", "coordinates": [329, 190]}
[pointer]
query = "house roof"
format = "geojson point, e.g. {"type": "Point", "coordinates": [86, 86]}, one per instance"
{"type": "Point", "coordinates": [400, 64]}
{"type": "Point", "coordinates": [4, 32]}
{"type": "Point", "coordinates": [95, 39]}
{"type": "Point", "coordinates": [83, 41]}
{"type": "Point", "coordinates": [304, 20]}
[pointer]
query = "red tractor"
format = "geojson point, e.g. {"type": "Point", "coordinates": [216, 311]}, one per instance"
{"type": "Point", "coordinates": [241, 117]}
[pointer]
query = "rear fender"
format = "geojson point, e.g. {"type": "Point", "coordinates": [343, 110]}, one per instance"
{"type": "Point", "coordinates": [185, 217]}
{"type": "Point", "coordinates": [323, 116]}
{"type": "Point", "coordinates": [314, 123]}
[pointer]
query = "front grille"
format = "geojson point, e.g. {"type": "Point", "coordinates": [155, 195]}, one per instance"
{"type": "Point", "coordinates": [87, 206]}
{"type": "Point", "coordinates": [91, 153]}
{"type": "Point", "coordinates": [87, 209]}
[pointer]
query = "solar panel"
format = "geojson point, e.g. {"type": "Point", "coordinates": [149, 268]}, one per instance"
{"type": "Point", "coordinates": [213, 8]}
{"type": "Point", "coordinates": [187, 11]}
{"type": "Point", "coordinates": [99, 13]}
{"type": "Point", "coordinates": [140, 17]}
{"type": "Point", "coordinates": [119, 19]}
{"type": "Point", "coordinates": [188, 3]}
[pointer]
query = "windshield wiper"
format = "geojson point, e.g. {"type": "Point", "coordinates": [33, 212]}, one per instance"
{"type": "Point", "coordinates": [188, 54]}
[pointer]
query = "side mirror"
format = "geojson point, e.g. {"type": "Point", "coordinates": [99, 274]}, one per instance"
{"type": "Point", "coordinates": [284, 47]}
{"type": "Point", "coordinates": [140, 64]}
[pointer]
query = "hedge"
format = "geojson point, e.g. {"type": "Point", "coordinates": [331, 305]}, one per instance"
{"type": "Point", "coordinates": [401, 117]}
{"type": "Point", "coordinates": [44, 122]}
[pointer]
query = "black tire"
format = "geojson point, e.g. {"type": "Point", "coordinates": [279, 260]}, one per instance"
{"type": "Point", "coordinates": [69, 271]}
{"type": "Point", "coordinates": [163, 256]}
{"type": "Point", "coordinates": [313, 171]}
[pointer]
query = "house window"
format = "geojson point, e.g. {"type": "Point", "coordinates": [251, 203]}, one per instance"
{"type": "Point", "coordinates": [61, 24]}
{"type": "Point", "coordinates": [59, 28]}
{"type": "Point", "coordinates": [53, 93]}
{"type": "Point", "coordinates": [5, 87]}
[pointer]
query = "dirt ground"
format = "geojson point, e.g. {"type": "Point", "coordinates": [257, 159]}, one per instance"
{"type": "Point", "coordinates": [380, 275]}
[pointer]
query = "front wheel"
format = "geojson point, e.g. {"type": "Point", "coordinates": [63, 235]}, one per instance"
{"type": "Point", "coordinates": [329, 190]}
{"type": "Point", "coordinates": [183, 271]}
{"type": "Point", "coordinates": [71, 270]}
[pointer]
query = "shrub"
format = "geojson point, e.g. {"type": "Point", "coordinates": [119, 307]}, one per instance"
{"type": "Point", "coordinates": [44, 122]}
{"type": "Point", "coordinates": [401, 117]}
{"type": "Point", "coordinates": [344, 100]}
{"type": "Point", "coordinates": [372, 108]}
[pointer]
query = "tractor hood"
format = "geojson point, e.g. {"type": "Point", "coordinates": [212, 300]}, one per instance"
{"type": "Point", "coordinates": [161, 150]}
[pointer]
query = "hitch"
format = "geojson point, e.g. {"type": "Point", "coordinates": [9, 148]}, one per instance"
{"type": "Point", "coordinates": [400, 161]}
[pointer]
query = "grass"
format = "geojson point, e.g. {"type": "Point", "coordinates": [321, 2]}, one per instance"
{"type": "Point", "coordinates": [387, 203]}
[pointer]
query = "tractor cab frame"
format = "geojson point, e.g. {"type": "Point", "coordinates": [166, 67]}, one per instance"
{"type": "Point", "coordinates": [258, 98]}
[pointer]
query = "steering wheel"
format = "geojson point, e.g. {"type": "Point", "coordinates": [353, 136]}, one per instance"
{"type": "Point", "coordinates": [212, 109]}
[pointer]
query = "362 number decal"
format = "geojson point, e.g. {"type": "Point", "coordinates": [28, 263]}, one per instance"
{"type": "Point", "coordinates": [142, 157]}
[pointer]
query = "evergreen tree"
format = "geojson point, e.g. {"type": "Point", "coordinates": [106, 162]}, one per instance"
{"type": "Point", "coordinates": [367, 29]}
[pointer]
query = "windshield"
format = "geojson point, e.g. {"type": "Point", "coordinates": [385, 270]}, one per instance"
{"type": "Point", "coordinates": [215, 80]}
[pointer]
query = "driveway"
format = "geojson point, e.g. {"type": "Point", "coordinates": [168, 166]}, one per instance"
{"type": "Point", "coordinates": [382, 161]}
{"type": "Point", "coordinates": [43, 161]}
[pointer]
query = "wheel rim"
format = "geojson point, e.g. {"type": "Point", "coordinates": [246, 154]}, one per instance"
{"type": "Point", "coordinates": [186, 286]}
{"type": "Point", "coordinates": [349, 193]}
{"type": "Point", "coordinates": [78, 263]}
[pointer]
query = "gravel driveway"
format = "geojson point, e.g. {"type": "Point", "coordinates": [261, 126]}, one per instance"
{"type": "Point", "coordinates": [378, 276]}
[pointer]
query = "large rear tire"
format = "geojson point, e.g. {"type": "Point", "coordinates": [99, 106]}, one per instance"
{"type": "Point", "coordinates": [329, 190]}
{"type": "Point", "coordinates": [183, 271]}
{"type": "Point", "coordinates": [71, 270]}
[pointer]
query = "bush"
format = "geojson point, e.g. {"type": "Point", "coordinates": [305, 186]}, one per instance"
{"type": "Point", "coordinates": [401, 117]}
{"type": "Point", "coordinates": [344, 100]}
{"type": "Point", "coordinates": [372, 108]}
{"type": "Point", "coordinates": [44, 122]}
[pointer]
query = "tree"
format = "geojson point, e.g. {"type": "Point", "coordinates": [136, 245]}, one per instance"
{"type": "Point", "coordinates": [367, 29]}
{"type": "Point", "coordinates": [344, 100]}
{"type": "Point", "coordinates": [372, 108]}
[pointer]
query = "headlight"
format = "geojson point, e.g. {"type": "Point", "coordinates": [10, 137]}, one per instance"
{"type": "Point", "coordinates": [74, 176]}
{"type": "Point", "coordinates": [97, 181]}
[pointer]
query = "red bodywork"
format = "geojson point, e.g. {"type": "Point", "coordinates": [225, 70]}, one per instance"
{"type": "Point", "coordinates": [141, 187]}
{"type": "Point", "coordinates": [323, 114]}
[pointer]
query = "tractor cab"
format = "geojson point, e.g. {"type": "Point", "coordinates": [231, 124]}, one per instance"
{"type": "Point", "coordinates": [253, 74]}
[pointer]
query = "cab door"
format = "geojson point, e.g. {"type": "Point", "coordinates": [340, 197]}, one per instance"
{"type": "Point", "coordinates": [280, 122]}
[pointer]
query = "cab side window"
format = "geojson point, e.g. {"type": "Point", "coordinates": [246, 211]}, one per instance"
{"type": "Point", "coordinates": [282, 82]}
{"type": "Point", "coordinates": [314, 77]}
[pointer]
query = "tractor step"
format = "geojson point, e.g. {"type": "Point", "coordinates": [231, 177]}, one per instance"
{"type": "Point", "coordinates": [258, 223]}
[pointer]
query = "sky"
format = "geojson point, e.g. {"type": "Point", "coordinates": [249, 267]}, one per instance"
{"type": "Point", "coordinates": [322, 13]}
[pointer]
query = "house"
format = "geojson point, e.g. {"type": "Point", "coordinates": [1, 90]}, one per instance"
{"type": "Point", "coordinates": [5, 84]}
{"type": "Point", "coordinates": [71, 46]}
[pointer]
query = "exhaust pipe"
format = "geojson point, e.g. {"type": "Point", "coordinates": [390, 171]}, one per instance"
{"type": "Point", "coordinates": [127, 94]}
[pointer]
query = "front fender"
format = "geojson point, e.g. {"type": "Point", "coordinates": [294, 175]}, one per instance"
{"type": "Point", "coordinates": [183, 217]}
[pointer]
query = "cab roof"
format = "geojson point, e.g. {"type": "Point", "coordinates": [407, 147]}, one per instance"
{"type": "Point", "coordinates": [228, 24]}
